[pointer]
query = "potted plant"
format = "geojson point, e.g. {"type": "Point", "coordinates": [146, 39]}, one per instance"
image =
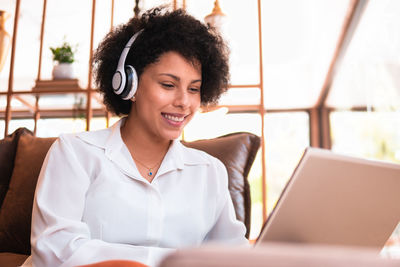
{"type": "Point", "coordinates": [64, 57]}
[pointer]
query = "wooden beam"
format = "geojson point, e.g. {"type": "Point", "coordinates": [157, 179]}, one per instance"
{"type": "Point", "coordinates": [26, 103]}
{"type": "Point", "coordinates": [353, 17]}
{"type": "Point", "coordinates": [262, 113]}
{"type": "Point", "coordinates": [244, 86]}
{"type": "Point", "coordinates": [41, 39]}
{"type": "Point", "coordinates": [314, 127]}
{"type": "Point", "coordinates": [112, 15]}
{"type": "Point", "coordinates": [320, 127]}
{"type": "Point", "coordinates": [98, 98]}
{"type": "Point", "coordinates": [52, 113]}
{"type": "Point", "coordinates": [11, 74]}
{"type": "Point", "coordinates": [108, 117]}
{"type": "Point", "coordinates": [235, 108]}
{"type": "Point", "coordinates": [49, 92]}
{"type": "Point", "coordinates": [89, 112]}
{"type": "Point", "coordinates": [37, 114]}
{"type": "Point", "coordinates": [326, 140]}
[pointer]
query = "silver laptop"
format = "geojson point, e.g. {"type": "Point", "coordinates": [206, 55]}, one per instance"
{"type": "Point", "coordinates": [334, 199]}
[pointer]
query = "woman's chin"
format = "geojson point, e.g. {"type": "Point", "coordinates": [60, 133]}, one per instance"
{"type": "Point", "coordinates": [170, 135]}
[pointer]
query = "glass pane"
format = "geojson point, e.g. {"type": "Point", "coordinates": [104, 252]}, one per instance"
{"type": "Point", "coordinates": [65, 101]}
{"type": "Point", "coordinates": [2, 127]}
{"type": "Point", "coordinates": [218, 122]}
{"type": "Point", "coordinates": [255, 181]}
{"type": "Point", "coordinates": [97, 102]}
{"type": "Point", "coordinates": [373, 134]}
{"type": "Point", "coordinates": [17, 123]}
{"type": "Point", "coordinates": [123, 9]}
{"type": "Point", "coordinates": [241, 33]}
{"type": "Point", "coordinates": [3, 103]}
{"type": "Point", "coordinates": [55, 127]}
{"type": "Point", "coordinates": [241, 96]}
{"type": "Point", "coordinates": [58, 15]}
{"type": "Point", "coordinates": [101, 123]}
{"type": "Point", "coordinates": [299, 38]}
{"type": "Point", "coordinates": [18, 103]}
{"type": "Point", "coordinates": [369, 73]}
{"type": "Point", "coordinates": [286, 137]}
{"type": "Point", "coordinates": [27, 56]}
{"type": "Point", "coordinates": [102, 20]}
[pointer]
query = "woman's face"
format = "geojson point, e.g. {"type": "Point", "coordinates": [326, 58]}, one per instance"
{"type": "Point", "coordinates": [168, 96]}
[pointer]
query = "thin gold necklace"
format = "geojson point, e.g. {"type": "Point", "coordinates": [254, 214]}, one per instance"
{"type": "Point", "coordinates": [149, 170]}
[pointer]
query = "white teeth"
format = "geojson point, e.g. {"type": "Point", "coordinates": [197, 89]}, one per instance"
{"type": "Point", "coordinates": [173, 118]}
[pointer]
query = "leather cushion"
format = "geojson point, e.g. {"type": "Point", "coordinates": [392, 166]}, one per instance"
{"type": "Point", "coordinates": [16, 212]}
{"type": "Point", "coordinates": [12, 259]}
{"type": "Point", "coordinates": [237, 151]}
{"type": "Point", "coordinates": [8, 148]}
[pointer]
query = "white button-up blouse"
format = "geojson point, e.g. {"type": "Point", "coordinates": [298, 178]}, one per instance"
{"type": "Point", "coordinates": [91, 203]}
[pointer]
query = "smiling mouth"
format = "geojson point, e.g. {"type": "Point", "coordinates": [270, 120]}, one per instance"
{"type": "Point", "coordinates": [174, 118]}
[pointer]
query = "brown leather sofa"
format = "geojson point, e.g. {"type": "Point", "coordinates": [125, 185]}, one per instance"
{"type": "Point", "coordinates": [21, 157]}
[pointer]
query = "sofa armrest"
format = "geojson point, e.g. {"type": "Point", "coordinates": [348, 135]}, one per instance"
{"type": "Point", "coordinates": [8, 149]}
{"type": "Point", "coordinates": [16, 211]}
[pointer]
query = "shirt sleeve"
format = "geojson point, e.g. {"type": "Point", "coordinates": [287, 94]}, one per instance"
{"type": "Point", "coordinates": [59, 237]}
{"type": "Point", "coordinates": [227, 229]}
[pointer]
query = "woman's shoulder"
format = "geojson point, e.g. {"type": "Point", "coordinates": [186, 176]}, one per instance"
{"type": "Point", "coordinates": [217, 176]}
{"type": "Point", "coordinates": [91, 137]}
{"type": "Point", "coordinates": [194, 155]}
{"type": "Point", "coordinates": [82, 142]}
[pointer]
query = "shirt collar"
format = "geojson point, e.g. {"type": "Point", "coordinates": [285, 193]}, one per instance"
{"type": "Point", "coordinates": [111, 141]}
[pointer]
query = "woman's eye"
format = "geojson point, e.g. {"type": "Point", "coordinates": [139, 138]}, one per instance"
{"type": "Point", "coordinates": [195, 90]}
{"type": "Point", "coordinates": [167, 85]}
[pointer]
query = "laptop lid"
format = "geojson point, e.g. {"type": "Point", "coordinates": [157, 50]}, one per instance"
{"type": "Point", "coordinates": [336, 200]}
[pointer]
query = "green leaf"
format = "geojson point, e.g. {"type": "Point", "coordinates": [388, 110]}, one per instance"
{"type": "Point", "coordinates": [63, 54]}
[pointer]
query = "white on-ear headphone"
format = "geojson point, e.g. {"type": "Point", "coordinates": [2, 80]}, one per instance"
{"type": "Point", "coordinates": [125, 79]}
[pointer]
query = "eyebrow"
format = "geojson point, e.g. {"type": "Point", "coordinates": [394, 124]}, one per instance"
{"type": "Point", "coordinates": [176, 78]}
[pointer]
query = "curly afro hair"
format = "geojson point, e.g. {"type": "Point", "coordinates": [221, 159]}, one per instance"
{"type": "Point", "coordinates": [163, 31]}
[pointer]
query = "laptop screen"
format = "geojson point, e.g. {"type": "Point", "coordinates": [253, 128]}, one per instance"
{"type": "Point", "coordinates": [336, 200]}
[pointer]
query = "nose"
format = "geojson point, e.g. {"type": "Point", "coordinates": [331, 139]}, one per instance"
{"type": "Point", "coordinates": [181, 99]}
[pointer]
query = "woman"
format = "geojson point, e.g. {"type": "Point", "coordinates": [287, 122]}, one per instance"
{"type": "Point", "coordinates": [133, 191]}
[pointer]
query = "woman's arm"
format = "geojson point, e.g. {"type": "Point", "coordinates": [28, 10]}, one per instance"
{"type": "Point", "coordinates": [59, 236]}
{"type": "Point", "coordinates": [227, 229]}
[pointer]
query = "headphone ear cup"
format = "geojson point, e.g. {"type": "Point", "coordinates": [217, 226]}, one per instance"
{"type": "Point", "coordinates": [130, 84]}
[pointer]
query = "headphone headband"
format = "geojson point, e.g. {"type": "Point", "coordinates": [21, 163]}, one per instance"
{"type": "Point", "coordinates": [119, 81]}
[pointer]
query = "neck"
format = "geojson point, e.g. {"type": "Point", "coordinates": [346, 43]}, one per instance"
{"type": "Point", "coordinates": [143, 147]}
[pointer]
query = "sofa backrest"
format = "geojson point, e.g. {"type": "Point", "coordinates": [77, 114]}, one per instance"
{"type": "Point", "coordinates": [237, 151]}
{"type": "Point", "coordinates": [8, 148]}
{"type": "Point", "coordinates": [16, 209]}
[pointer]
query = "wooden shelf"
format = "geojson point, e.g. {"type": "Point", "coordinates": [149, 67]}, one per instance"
{"type": "Point", "coordinates": [67, 85]}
